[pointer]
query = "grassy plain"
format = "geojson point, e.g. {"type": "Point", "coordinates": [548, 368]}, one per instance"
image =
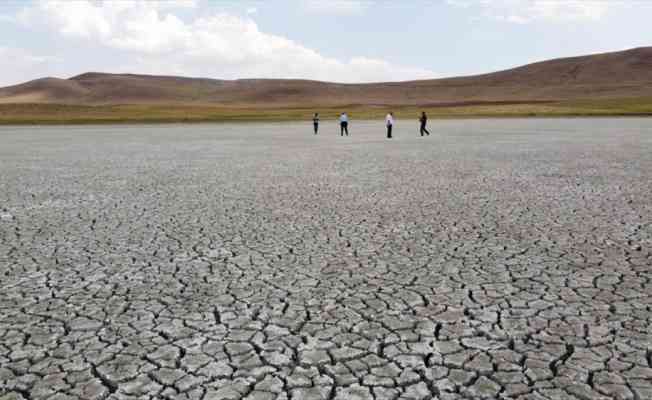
{"type": "Point", "coordinates": [29, 114]}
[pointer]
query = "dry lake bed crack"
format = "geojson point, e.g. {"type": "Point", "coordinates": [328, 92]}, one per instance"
{"type": "Point", "coordinates": [500, 259]}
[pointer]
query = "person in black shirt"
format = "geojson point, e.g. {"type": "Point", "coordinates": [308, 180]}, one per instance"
{"type": "Point", "coordinates": [423, 119]}
{"type": "Point", "coordinates": [315, 122]}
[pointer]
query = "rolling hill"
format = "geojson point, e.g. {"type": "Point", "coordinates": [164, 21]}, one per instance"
{"type": "Point", "coordinates": [609, 84]}
{"type": "Point", "coordinates": [624, 74]}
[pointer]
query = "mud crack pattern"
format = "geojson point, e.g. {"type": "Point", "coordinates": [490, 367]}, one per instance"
{"type": "Point", "coordinates": [494, 260]}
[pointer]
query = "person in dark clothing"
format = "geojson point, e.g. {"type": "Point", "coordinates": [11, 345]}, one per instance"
{"type": "Point", "coordinates": [423, 119]}
{"type": "Point", "coordinates": [315, 122]}
{"type": "Point", "coordinates": [344, 124]}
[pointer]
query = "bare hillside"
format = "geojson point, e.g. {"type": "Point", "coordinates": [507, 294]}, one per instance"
{"type": "Point", "coordinates": [625, 74]}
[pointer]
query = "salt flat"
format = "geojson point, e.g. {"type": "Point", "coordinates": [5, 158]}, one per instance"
{"type": "Point", "coordinates": [493, 259]}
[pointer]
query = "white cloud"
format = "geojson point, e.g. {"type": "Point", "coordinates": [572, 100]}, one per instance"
{"type": "Point", "coordinates": [570, 9]}
{"type": "Point", "coordinates": [162, 4]}
{"type": "Point", "coordinates": [24, 65]}
{"type": "Point", "coordinates": [252, 10]}
{"type": "Point", "coordinates": [337, 7]}
{"type": "Point", "coordinates": [525, 11]}
{"type": "Point", "coordinates": [219, 45]}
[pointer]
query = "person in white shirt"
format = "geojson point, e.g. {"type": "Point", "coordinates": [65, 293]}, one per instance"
{"type": "Point", "coordinates": [389, 122]}
{"type": "Point", "coordinates": [344, 124]}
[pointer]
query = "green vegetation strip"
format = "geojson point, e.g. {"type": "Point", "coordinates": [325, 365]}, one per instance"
{"type": "Point", "coordinates": [27, 114]}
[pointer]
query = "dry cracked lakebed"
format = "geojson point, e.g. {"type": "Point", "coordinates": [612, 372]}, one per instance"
{"type": "Point", "coordinates": [495, 259]}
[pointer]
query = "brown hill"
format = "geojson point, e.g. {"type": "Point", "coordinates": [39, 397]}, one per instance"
{"type": "Point", "coordinates": [624, 74]}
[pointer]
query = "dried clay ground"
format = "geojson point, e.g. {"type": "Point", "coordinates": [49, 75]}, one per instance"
{"type": "Point", "coordinates": [497, 259]}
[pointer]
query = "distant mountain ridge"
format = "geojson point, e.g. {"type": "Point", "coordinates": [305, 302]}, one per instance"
{"type": "Point", "coordinates": [623, 74]}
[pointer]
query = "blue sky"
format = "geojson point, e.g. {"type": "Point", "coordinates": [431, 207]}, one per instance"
{"type": "Point", "coordinates": [345, 41]}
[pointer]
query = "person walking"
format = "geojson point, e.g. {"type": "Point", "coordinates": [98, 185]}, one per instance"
{"type": "Point", "coordinates": [389, 122]}
{"type": "Point", "coordinates": [344, 124]}
{"type": "Point", "coordinates": [315, 122]}
{"type": "Point", "coordinates": [423, 119]}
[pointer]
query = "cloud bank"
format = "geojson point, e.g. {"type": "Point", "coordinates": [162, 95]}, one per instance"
{"type": "Point", "coordinates": [22, 65]}
{"type": "Point", "coordinates": [155, 40]}
{"type": "Point", "coordinates": [527, 11]}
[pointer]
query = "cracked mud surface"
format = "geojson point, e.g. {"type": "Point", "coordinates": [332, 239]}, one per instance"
{"type": "Point", "coordinates": [495, 259]}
